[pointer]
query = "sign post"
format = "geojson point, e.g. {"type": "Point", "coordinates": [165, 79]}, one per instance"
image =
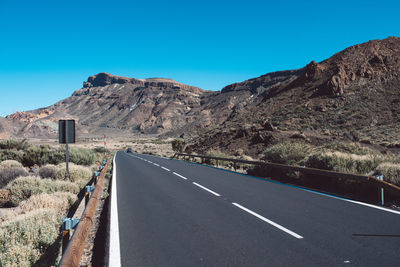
{"type": "Point", "coordinates": [66, 135]}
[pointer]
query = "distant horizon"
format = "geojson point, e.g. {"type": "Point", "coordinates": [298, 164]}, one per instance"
{"type": "Point", "coordinates": [48, 49]}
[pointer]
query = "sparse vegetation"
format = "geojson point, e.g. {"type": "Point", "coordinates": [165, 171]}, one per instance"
{"type": "Point", "coordinates": [26, 237]}
{"type": "Point", "coordinates": [343, 162]}
{"type": "Point", "coordinates": [288, 153]}
{"type": "Point", "coordinates": [10, 164]}
{"type": "Point", "coordinates": [9, 174]}
{"type": "Point", "coordinates": [24, 187]}
{"type": "Point", "coordinates": [48, 171]}
{"type": "Point", "coordinates": [178, 145]}
{"type": "Point", "coordinates": [40, 200]}
{"type": "Point", "coordinates": [390, 172]}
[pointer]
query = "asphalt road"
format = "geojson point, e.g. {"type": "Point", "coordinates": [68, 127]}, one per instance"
{"type": "Point", "coordinates": [175, 213]}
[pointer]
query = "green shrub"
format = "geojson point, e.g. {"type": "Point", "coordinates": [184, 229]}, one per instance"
{"type": "Point", "coordinates": [343, 162]}
{"type": "Point", "coordinates": [390, 172]}
{"type": "Point", "coordinates": [26, 237]}
{"type": "Point", "coordinates": [11, 154]}
{"type": "Point", "coordinates": [14, 144]}
{"type": "Point", "coordinates": [24, 187]}
{"type": "Point", "coordinates": [288, 153]}
{"type": "Point", "coordinates": [9, 174]}
{"type": "Point", "coordinates": [178, 145]}
{"type": "Point", "coordinates": [10, 164]}
{"type": "Point", "coordinates": [41, 155]}
{"type": "Point", "coordinates": [82, 156]}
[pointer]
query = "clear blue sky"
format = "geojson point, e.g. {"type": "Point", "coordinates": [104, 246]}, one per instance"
{"type": "Point", "coordinates": [48, 48]}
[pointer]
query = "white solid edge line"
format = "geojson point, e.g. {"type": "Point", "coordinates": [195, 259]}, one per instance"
{"type": "Point", "coordinates": [177, 174]}
{"type": "Point", "coordinates": [353, 201]}
{"type": "Point", "coordinates": [114, 252]}
{"type": "Point", "coordinates": [208, 190]}
{"type": "Point", "coordinates": [268, 221]}
{"type": "Point", "coordinates": [165, 169]}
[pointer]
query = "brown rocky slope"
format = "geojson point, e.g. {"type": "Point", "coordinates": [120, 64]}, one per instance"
{"type": "Point", "coordinates": [353, 96]}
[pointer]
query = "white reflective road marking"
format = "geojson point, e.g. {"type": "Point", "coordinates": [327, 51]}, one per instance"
{"type": "Point", "coordinates": [208, 190]}
{"type": "Point", "coordinates": [280, 227]}
{"type": "Point", "coordinates": [168, 170]}
{"type": "Point", "coordinates": [177, 174]}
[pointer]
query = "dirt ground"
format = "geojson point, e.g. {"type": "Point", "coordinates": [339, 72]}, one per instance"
{"type": "Point", "coordinates": [147, 145]}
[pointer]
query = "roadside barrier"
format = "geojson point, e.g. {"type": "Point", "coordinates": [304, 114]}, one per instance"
{"type": "Point", "coordinates": [73, 248]}
{"type": "Point", "coordinates": [377, 181]}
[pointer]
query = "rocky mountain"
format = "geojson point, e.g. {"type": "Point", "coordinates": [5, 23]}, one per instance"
{"type": "Point", "coordinates": [353, 95]}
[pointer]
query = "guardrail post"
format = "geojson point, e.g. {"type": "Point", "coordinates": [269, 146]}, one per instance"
{"type": "Point", "coordinates": [89, 191]}
{"type": "Point", "coordinates": [95, 177]}
{"type": "Point", "coordinates": [202, 160]}
{"type": "Point", "coordinates": [217, 162]}
{"type": "Point", "coordinates": [234, 166]}
{"type": "Point", "coordinates": [380, 192]}
{"type": "Point", "coordinates": [66, 226]}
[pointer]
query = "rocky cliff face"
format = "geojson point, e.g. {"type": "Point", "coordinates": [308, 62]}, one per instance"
{"type": "Point", "coordinates": [353, 95]}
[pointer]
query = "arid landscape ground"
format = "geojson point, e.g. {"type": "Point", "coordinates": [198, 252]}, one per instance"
{"type": "Point", "coordinates": [341, 114]}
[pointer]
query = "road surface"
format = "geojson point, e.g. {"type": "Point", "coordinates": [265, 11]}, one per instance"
{"type": "Point", "coordinates": [175, 213]}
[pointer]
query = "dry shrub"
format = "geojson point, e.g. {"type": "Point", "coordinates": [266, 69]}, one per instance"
{"type": "Point", "coordinates": [26, 237]}
{"type": "Point", "coordinates": [9, 174]}
{"type": "Point", "coordinates": [288, 153]}
{"type": "Point", "coordinates": [352, 148]}
{"type": "Point", "coordinates": [24, 187]}
{"type": "Point", "coordinates": [343, 162]}
{"type": "Point", "coordinates": [217, 154]}
{"type": "Point", "coordinates": [59, 202]}
{"type": "Point", "coordinates": [390, 172]}
{"type": "Point", "coordinates": [48, 171]}
{"type": "Point", "coordinates": [76, 173]}
{"type": "Point", "coordinates": [10, 164]}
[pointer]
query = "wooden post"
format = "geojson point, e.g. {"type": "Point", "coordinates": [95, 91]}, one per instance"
{"type": "Point", "coordinates": [65, 239]}
{"type": "Point", "coordinates": [234, 166]}
{"type": "Point", "coordinates": [217, 163]}
{"type": "Point", "coordinates": [87, 197]}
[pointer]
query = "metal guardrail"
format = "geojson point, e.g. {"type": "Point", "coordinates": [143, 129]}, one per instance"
{"type": "Point", "coordinates": [74, 247]}
{"type": "Point", "coordinates": [394, 189]}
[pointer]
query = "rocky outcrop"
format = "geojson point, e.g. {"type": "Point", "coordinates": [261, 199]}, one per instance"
{"type": "Point", "coordinates": [355, 88]}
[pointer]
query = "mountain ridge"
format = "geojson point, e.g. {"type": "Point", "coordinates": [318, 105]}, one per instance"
{"type": "Point", "coordinates": [321, 99]}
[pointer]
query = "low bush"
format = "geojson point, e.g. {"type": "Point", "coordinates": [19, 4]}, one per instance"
{"type": "Point", "coordinates": [76, 173]}
{"type": "Point", "coordinates": [343, 162]}
{"type": "Point", "coordinates": [390, 172]}
{"type": "Point", "coordinates": [26, 237]}
{"type": "Point", "coordinates": [10, 164]}
{"type": "Point", "coordinates": [41, 155]}
{"type": "Point", "coordinates": [9, 174]}
{"type": "Point", "coordinates": [352, 148]}
{"type": "Point", "coordinates": [82, 156]}
{"type": "Point", "coordinates": [14, 144]}
{"type": "Point", "coordinates": [217, 154]}
{"type": "Point", "coordinates": [48, 171]}
{"type": "Point", "coordinates": [11, 154]}
{"type": "Point", "coordinates": [58, 201]}
{"type": "Point", "coordinates": [24, 187]}
{"type": "Point", "coordinates": [178, 145]}
{"type": "Point", "coordinates": [288, 153]}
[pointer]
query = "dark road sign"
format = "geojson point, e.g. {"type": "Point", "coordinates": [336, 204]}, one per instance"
{"type": "Point", "coordinates": [66, 131]}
